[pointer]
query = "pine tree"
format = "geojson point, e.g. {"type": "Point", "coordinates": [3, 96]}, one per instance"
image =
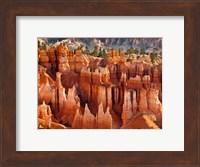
{"type": "Point", "coordinates": [136, 51]}
{"type": "Point", "coordinates": [142, 51]}
{"type": "Point", "coordinates": [104, 53]}
{"type": "Point", "coordinates": [87, 51]}
{"type": "Point", "coordinates": [95, 52]}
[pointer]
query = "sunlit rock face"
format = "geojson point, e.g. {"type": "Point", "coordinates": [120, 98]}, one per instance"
{"type": "Point", "coordinates": [134, 103]}
{"type": "Point", "coordinates": [78, 121]}
{"type": "Point", "coordinates": [103, 119]}
{"type": "Point", "coordinates": [154, 103]}
{"type": "Point", "coordinates": [141, 121]}
{"type": "Point", "coordinates": [155, 75]}
{"type": "Point", "coordinates": [143, 101]}
{"type": "Point", "coordinates": [77, 90]}
{"type": "Point", "coordinates": [88, 119]}
{"type": "Point", "coordinates": [52, 59]}
{"type": "Point", "coordinates": [127, 112]}
{"type": "Point", "coordinates": [46, 118]}
{"type": "Point", "coordinates": [45, 90]}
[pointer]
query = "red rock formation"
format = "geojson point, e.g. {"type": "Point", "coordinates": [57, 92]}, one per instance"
{"type": "Point", "coordinates": [134, 83]}
{"type": "Point", "coordinates": [105, 75]}
{"type": "Point", "coordinates": [134, 103]}
{"type": "Point", "coordinates": [62, 58]}
{"type": "Point", "coordinates": [155, 75]}
{"type": "Point", "coordinates": [141, 121]}
{"type": "Point", "coordinates": [115, 94]}
{"type": "Point", "coordinates": [121, 68]}
{"type": "Point", "coordinates": [69, 79]}
{"type": "Point", "coordinates": [147, 69]}
{"type": "Point", "coordinates": [85, 85]}
{"type": "Point", "coordinates": [63, 67]}
{"type": "Point", "coordinates": [60, 96]}
{"type": "Point", "coordinates": [121, 54]}
{"type": "Point", "coordinates": [132, 70]}
{"type": "Point", "coordinates": [127, 113]}
{"type": "Point", "coordinates": [143, 101]}
{"type": "Point", "coordinates": [46, 118]}
{"type": "Point", "coordinates": [146, 82]}
{"type": "Point", "coordinates": [54, 102]}
{"type": "Point", "coordinates": [80, 61]}
{"type": "Point", "coordinates": [96, 77]}
{"type": "Point", "coordinates": [148, 59]}
{"type": "Point", "coordinates": [113, 53]}
{"type": "Point", "coordinates": [154, 103]}
{"type": "Point", "coordinates": [88, 119]}
{"type": "Point", "coordinates": [123, 85]}
{"type": "Point", "coordinates": [43, 58]}
{"type": "Point", "coordinates": [44, 112]}
{"type": "Point", "coordinates": [123, 79]}
{"type": "Point", "coordinates": [107, 119]}
{"type": "Point", "coordinates": [101, 96]}
{"type": "Point", "coordinates": [72, 103]}
{"type": "Point", "coordinates": [52, 58]}
{"type": "Point", "coordinates": [127, 87]}
{"type": "Point", "coordinates": [45, 91]}
{"type": "Point", "coordinates": [71, 59]}
{"type": "Point", "coordinates": [103, 120]}
{"type": "Point", "coordinates": [140, 69]}
{"type": "Point", "coordinates": [78, 121]}
{"type": "Point", "coordinates": [51, 53]}
{"type": "Point", "coordinates": [113, 72]}
{"type": "Point", "coordinates": [109, 97]}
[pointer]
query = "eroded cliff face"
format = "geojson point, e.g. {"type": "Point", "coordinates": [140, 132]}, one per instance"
{"type": "Point", "coordinates": [46, 119]}
{"type": "Point", "coordinates": [83, 92]}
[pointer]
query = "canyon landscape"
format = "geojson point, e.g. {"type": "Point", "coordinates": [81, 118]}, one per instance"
{"type": "Point", "coordinates": [99, 83]}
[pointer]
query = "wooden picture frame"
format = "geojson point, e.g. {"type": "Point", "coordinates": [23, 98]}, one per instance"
{"type": "Point", "coordinates": [188, 9]}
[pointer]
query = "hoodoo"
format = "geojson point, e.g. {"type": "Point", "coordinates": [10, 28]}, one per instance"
{"type": "Point", "coordinates": [100, 83]}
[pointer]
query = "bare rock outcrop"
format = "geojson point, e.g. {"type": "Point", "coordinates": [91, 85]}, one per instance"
{"type": "Point", "coordinates": [103, 120]}
{"type": "Point", "coordinates": [134, 83]}
{"type": "Point", "coordinates": [45, 91]}
{"type": "Point", "coordinates": [127, 113]}
{"type": "Point", "coordinates": [88, 119]}
{"type": "Point", "coordinates": [141, 121]}
{"type": "Point", "coordinates": [80, 90]}
{"type": "Point", "coordinates": [143, 101]}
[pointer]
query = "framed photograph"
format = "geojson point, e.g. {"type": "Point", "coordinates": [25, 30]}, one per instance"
{"type": "Point", "coordinates": [115, 85]}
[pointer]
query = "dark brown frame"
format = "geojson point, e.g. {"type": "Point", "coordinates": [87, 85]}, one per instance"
{"type": "Point", "coordinates": [9, 9]}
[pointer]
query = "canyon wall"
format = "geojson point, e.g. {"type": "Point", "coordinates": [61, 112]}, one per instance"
{"type": "Point", "coordinates": [81, 96]}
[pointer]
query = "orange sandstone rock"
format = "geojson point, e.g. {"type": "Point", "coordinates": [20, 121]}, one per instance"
{"type": "Point", "coordinates": [78, 121]}
{"type": "Point", "coordinates": [45, 91]}
{"type": "Point", "coordinates": [127, 113]}
{"type": "Point", "coordinates": [88, 119]}
{"type": "Point", "coordinates": [134, 83]}
{"type": "Point", "coordinates": [146, 82]}
{"type": "Point", "coordinates": [134, 103]}
{"type": "Point", "coordinates": [143, 101]}
{"type": "Point", "coordinates": [103, 120]}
